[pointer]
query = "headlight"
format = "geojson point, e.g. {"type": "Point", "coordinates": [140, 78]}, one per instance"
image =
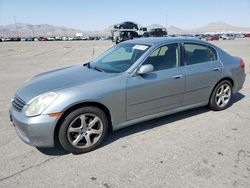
{"type": "Point", "coordinates": [40, 103]}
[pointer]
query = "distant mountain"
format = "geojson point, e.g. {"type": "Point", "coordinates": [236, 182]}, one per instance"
{"type": "Point", "coordinates": [24, 30]}
{"type": "Point", "coordinates": [221, 27]}
{"type": "Point", "coordinates": [152, 26]}
{"type": "Point", "coordinates": [211, 27]}
{"type": "Point", "coordinates": [175, 30]}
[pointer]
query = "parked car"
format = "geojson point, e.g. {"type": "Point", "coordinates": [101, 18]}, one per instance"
{"type": "Point", "coordinates": [239, 36]}
{"type": "Point", "coordinates": [29, 39]}
{"type": "Point", "coordinates": [141, 31]}
{"type": "Point", "coordinates": [7, 39]}
{"type": "Point", "coordinates": [212, 37]}
{"type": "Point", "coordinates": [126, 25]}
{"type": "Point", "coordinates": [51, 38]}
{"type": "Point", "coordinates": [198, 36]}
{"type": "Point", "coordinates": [134, 81]}
{"type": "Point", "coordinates": [58, 38]}
{"type": "Point", "coordinates": [42, 39]}
{"type": "Point", "coordinates": [156, 32]}
{"type": "Point", "coordinates": [247, 35]}
{"type": "Point", "coordinates": [228, 37]}
{"type": "Point", "coordinates": [126, 35]}
{"type": "Point", "coordinates": [15, 39]}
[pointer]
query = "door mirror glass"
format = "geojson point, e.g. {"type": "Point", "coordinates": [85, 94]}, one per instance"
{"type": "Point", "coordinates": [144, 69]}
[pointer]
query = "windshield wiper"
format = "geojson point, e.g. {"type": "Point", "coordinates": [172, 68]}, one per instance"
{"type": "Point", "coordinates": [96, 68]}
{"type": "Point", "coordinates": [93, 67]}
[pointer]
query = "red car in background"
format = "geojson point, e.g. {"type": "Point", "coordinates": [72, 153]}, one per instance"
{"type": "Point", "coordinates": [247, 35]}
{"type": "Point", "coordinates": [212, 37]}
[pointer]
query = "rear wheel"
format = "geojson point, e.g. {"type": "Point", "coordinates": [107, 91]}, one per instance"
{"type": "Point", "coordinates": [83, 130]}
{"type": "Point", "coordinates": [221, 96]}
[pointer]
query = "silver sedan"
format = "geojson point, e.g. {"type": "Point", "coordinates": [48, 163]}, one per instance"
{"type": "Point", "coordinates": [132, 82]}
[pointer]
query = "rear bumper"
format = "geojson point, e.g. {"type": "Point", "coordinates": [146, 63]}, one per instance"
{"type": "Point", "coordinates": [36, 131]}
{"type": "Point", "coordinates": [240, 82]}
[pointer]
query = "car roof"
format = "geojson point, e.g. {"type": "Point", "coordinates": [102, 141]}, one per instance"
{"type": "Point", "coordinates": [151, 41]}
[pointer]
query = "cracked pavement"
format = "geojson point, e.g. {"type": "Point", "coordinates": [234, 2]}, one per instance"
{"type": "Point", "coordinates": [195, 148]}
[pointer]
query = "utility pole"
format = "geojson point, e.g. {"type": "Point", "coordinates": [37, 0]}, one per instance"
{"type": "Point", "coordinates": [93, 52]}
{"type": "Point", "coordinates": [166, 21]}
{"type": "Point", "coordinates": [33, 30]}
{"type": "Point", "coordinates": [15, 26]}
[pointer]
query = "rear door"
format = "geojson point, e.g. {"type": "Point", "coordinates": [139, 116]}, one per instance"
{"type": "Point", "coordinates": [203, 71]}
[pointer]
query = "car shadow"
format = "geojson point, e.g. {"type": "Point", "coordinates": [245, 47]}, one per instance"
{"type": "Point", "coordinates": [165, 120]}
{"type": "Point", "coordinates": [236, 97]}
{"type": "Point", "coordinates": [152, 124]}
{"type": "Point", "coordinates": [140, 127]}
{"type": "Point", "coordinates": [55, 151]}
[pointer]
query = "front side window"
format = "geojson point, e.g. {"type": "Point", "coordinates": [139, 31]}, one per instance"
{"type": "Point", "coordinates": [119, 58]}
{"type": "Point", "coordinates": [165, 57]}
{"type": "Point", "coordinates": [196, 53]}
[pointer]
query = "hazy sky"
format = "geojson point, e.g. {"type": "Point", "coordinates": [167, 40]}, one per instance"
{"type": "Point", "coordinates": [99, 14]}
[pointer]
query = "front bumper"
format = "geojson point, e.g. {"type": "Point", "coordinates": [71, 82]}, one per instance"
{"type": "Point", "coordinates": [37, 131]}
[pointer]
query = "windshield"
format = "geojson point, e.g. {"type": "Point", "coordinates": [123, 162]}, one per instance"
{"type": "Point", "coordinates": [119, 58]}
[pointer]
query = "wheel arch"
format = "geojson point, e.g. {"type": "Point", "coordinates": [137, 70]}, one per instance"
{"type": "Point", "coordinates": [225, 78]}
{"type": "Point", "coordinates": [80, 105]}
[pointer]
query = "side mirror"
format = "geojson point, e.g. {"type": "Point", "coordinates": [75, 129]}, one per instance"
{"type": "Point", "coordinates": [144, 69]}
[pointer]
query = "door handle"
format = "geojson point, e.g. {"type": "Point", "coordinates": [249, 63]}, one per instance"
{"type": "Point", "coordinates": [216, 69]}
{"type": "Point", "coordinates": [177, 76]}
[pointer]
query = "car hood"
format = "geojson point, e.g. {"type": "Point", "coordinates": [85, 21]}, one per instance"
{"type": "Point", "coordinates": [59, 79]}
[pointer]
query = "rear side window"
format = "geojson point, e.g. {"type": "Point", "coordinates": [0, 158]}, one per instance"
{"type": "Point", "coordinates": [196, 53]}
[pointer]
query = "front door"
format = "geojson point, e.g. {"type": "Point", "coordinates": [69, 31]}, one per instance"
{"type": "Point", "coordinates": [159, 90]}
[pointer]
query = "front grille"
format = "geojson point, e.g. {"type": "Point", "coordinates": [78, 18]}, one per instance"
{"type": "Point", "coordinates": [18, 104]}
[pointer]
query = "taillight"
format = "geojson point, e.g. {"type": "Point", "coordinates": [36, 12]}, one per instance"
{"type": "Point", "coordinates": [242, 64]}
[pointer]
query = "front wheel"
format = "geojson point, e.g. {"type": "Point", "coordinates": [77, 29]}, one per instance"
{"type": "Point", "coordinates": [83, 130]}
{"type": "Point", "coordinates": [221, 96]}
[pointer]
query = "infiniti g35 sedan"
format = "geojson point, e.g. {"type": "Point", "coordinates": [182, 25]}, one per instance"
{"type": "Point", "coordinates": [134, 81]}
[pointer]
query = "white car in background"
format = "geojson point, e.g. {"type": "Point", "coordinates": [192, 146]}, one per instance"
{"type": "Point", "coordinates": [228, 37]}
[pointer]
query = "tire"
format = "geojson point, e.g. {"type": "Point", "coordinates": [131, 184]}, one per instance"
{"type": "Point", "coordinates": [221, 96]}
{"type": "Point", "coordinates": [83, 130]}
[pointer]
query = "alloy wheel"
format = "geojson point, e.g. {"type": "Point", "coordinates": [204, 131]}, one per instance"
{"type": "Point", "coordinates": [223, 95]}
{"type": "Point", "coordinates": [85, 130]}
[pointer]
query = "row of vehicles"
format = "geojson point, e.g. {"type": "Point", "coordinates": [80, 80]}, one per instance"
{"type": "Point", "coordinates": [130, 30]}
{"type": "Point", "coordinates": [57, 38]}
{"type": "Point", "coordinates": [211, 37]}
{"type": "Point", "coordinates": [223, 37]}
{"type": "Point", "coordinates": [127, 34]}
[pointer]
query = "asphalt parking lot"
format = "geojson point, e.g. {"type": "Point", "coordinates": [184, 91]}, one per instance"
{"type": "Point", "coordinates": [195, 148]}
